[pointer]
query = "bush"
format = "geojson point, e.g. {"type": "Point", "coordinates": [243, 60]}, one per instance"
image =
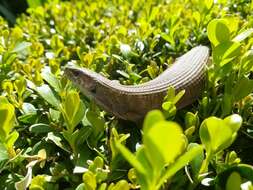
{"type": "Point", "coordinates": [11, 8]}
{"type": "Point", "coordinates": [53, 137]}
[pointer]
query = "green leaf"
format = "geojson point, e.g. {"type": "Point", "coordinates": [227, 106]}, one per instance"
{"type": "Point", "coordinates": [234, 122]}
{"type": "Point", "coordinates": [168, 38]}
{"type": "Point", "coordinates": [97, 122]}
{"type": "Point", "coordinates": [152, 70]}
{"type": "Point", "coordinates": [83, 134]}
{"type": "Point", "coordinates": [245, 171]}
{"type": "Point", "coordinates": [123, 73]}
{"type": "Point", "coordinates": [21, 47]}
{"type": "Point", "coordinates": [25, 182]}
{"type": "Point", "coordinates": [183, 160]}
{"type": "Point", "coordinates": [131, 158]}
{"type": "Point", "coordinates": [213, 134]}
{"type": "Point", "coordinates": [55, 115]}
{"type": "Point", "coordinates": [247, 62]}
{"type": "Point", "coordinates": [243, 35]}
{"type": "Point", "coordinates": [218, 31]}
{"type": "Point", "coordinates": [51, 79]}
{"type": "Point", "coordinates": [7, 118]}
{"type": "Point", "coordinates": [121, 185]}
{"type": "Point", "coordinates": [189, 131]}
{"type": "Point", "coordinates": [151, 118]}
{"type": "Point", "coordinates": [20, 86]}
{"type": "Point", "coordinates": [144, 179]}
{"type": "Point", "coordinates": [217, 134]}
{"type": "Point", "coordinates": [103, 186]}
{"type": "Point", "coordinates": [3, 153]}
{"type": "Point", "coordinates": [233, 23]}
{"type": "Point", "coordinates": [226, 52]}
{"type": "Point", "coordinates": [73, 110]}
{"type": "Point", "coordinates": [28, 118]}
{"type": "Point", "coordinates": [28, 108]}
{"type": "Point", "coordinates": [171, 93]}
{"type": "Point", "coordinates": [172, 96]}
{"type": "Point", "coordinates": [34, 3]}
{"type": "Point", "coordinates": [40, 128]}
{"type": "Point", "coordinates": [7, 14]}
{"type": "Point", "coordinates": [89, 180]}
{"type": "Point", "coordinates": [191, 119]}
{"type": "Point", "coordinates": [234, 182]}
{"type": "Point", "coordinates": [48, 95]}
{"type": "Point", "coordinates": [80, 187]}
{"type": "Point", "coordinates": [11, 139]}
{"type": "Point", "coordinates": [57, 140]}
{"type": "Point", "coordinates": [227, 104]}
{"type": "Point", "coordinates": [178, 96]}
{"type": "Point", "coordinates": [167, 140]}
{"type": "Point", "coordinates": [154, 13]}
{"type": "Point", "coordinates": [38, 182]}
{"type": "Point", "coordinates": [169, 109]}
{"type": "Point", "coordinates": [197, 17]}
{"type": "Point", "coordinates": [197, 160]}
{"type": "Point", "coordinates": [242, 88]}
{"type": "Point", "coordinates": [208, 4]}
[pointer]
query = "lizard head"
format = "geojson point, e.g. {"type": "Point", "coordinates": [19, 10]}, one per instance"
{"type": "Point", "coordinates": [84, 79]}
{"type": "Point", "coordinates": [91, 85]}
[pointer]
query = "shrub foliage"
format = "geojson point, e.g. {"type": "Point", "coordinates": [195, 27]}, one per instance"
{"type": "Point", "coordinates": [53, 137]}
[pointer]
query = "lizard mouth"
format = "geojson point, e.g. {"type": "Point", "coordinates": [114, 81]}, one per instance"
{"type": "Point", "coordinates": [82, 80]}
{"type": "Point", "coordinates": [72, 73]}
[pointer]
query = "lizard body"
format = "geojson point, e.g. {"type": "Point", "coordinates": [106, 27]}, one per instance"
{"type": "Point", "coordinates": [132, 102]}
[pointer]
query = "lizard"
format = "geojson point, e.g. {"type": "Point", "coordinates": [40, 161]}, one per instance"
{"type": "Point", "coordinates": [132, 102]}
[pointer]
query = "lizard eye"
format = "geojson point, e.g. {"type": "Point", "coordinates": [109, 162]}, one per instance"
{"type": "Point", "coordinates": [93, 90]}
{"type": "Point", "coordinates": [77, 74]}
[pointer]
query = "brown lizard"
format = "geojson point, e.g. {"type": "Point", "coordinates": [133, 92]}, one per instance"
{"type": "Point", "coordinates": [132, 102]}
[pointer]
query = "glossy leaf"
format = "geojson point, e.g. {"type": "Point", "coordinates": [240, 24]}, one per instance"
{"type": "Point", "coordinates": [152, 118]}
{"type": "Point", "coordinates": [20, 47]}
{"type": "Point", "coordinates": [226, 52]}
{"type": "Point", "coordinates": [73, 110]}
{"type": "Point", "coordinates": [48, 95]}
{"type": "Point", "coordinates": [247, 62]}
{"type": "Point", "coordinates": [34, 3]}
{"type": "Point", "coordinates": [51, 79]}
{"type": "Point", "coordinates": [25, 182]}
{"type": "Point", "coordinates": [243, 35]}
{"type": "Point", "coordinates": [7, 118]}
{"type": "Point", "coordinates": [3, 153]}
{"type": "Point", "coordinates": [89, 180]}
{"type": "Point", "coordinates": [197, 160]}
{"type": "Point", "coordinates": [217, 134]}
{"type": "Point", "coordinates": [191, 119]}
{"type": "Point", "coordinates": [181, 162]}
{"type": "Point", "coordinates": [234, 182]}
{"type": "Point", "coordinates": [218, 31]}
{"type": "Point", "coordinates": [166, 139]}
{"type": "Point", "coordinates": [40, 128]}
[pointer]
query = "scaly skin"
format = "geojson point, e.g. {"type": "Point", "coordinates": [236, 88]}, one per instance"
{"type": "Point", "coordinates": [132, 102]}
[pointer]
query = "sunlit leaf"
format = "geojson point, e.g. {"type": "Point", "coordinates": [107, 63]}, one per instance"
{"type": "Point", "coordinates": [20, 47]}
{"type": "Point", "coordinates": [48, 95]}
{"type": "Point", "coordinates": [167, 140]}
{"type": "Point", "coordinates": [218, 31]}
{"type": "Point", "coordinates": [243, 35]}
{"type": "Point", "coordinates": [25, 182]}
{"type": "Point", "coordinates": [7, 117]}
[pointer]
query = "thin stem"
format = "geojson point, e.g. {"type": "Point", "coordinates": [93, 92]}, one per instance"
{"type": "Point", "coordinates": [204, 166]}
